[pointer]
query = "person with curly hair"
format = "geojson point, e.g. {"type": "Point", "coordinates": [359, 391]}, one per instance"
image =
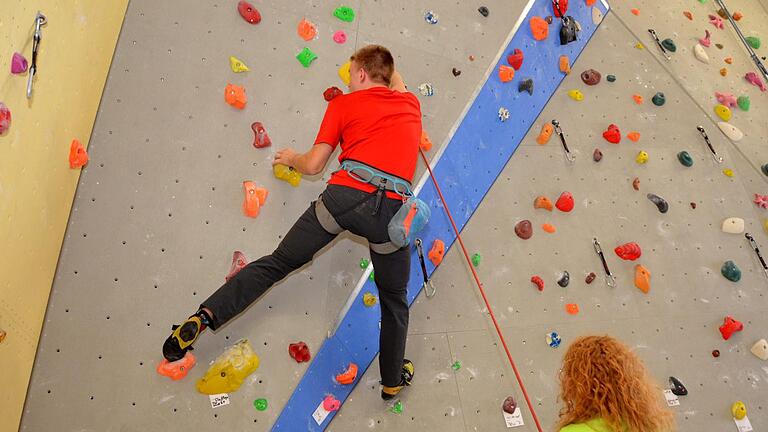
{"type": "Point", "coordinates": [605, 388]}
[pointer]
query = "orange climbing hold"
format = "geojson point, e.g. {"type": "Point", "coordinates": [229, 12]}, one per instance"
{"type": "Point", "coordinates": [178, 369]}
{"type": "Point", "coordinates": [642, 278]}
{"type": "Point", "coordinates": [572, 308]}
{"type": "Point", "coordinates": [348, 377]}
{"type": "Point", "coordinates": [254, 198]}
{"type": "Point", "coordinates": [235, 96]}
{"type": "Point", "coordinates": [78, 157]}
{"type": "Point", "coordinates": [634, 136]}
{"type": "Point", "coordinates": [565, 65]}
{"type": "Point", "coordinates": [638, 99]}
{"type": "Point", "coordinates": [542, 202]}
{"type": "Point", "coordinates": [545, 134]}
{"type": "Point", "coordinates": [539, 28]}
{"type": "Point", "coordinates": [724, 71]}
{"type": "Point", "coordinates": [307, 30]}
{"type": "Point", "coordinates": [737, 16]}
{"type": "Point", "coordinates": [425, 143]}
{"type": "Point", "coordinates": [506, 73]}
{"type": "Point", "coordinates": [436, 253]}
{"type": "Point", "coordinates": [688, 15]}
{"type": "Point", "coordinates": [549, 228]}
{"type": "Point", "coordinates": [728, 60]}
{"type": "Point", "coordinates": [635, 12]}
{"type": "Point", "coordinates": [590, 2]}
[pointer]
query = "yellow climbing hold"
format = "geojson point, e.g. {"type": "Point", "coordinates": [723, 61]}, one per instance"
{"type": "Point", "coordinates": [287, 174]}
{"type": "Point", "coordinates": [728, 172]}
{"type": "Point", "coordinates": [723, 112]}
{"type": "Point", "coordinates": [237, 65]}
{"type": "Point", "coordinates": [230, 369]}
{"type": "Point", "coordinates": [576, 95]}
{"type": "Point", "coordinates": [765, 225]}
{"type": "Point", "coordinates": [639, 46]}
{"type": "Point", "coordinates": [344, 73]}
{"type": "Point", "coordinates": [369, 299]}
{"type": "Point", "coordinates": [642, 157]}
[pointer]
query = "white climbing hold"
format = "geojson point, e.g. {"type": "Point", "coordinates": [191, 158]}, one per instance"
{"type": "Point", "coordinates": [733, 225]}
{"type": "Point", "coordinates": [597, 16]}
{"type": "Point", "coordinates": [760, 349]}
{"type": "Point", "coordinates": [731, 131]}
{"type": "Point", "coordinates": [503, 114]}
{"type": "Point", "coordinates": [700, 54]}
{"type": "Point", "coordinates": [426, 89]}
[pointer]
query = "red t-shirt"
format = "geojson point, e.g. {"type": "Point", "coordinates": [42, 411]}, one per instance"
{"type": "Point", "coordinates": [377, 126]}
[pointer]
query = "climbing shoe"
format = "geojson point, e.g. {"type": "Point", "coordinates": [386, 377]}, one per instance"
{"type": "Point", "coordinates": [183, 336]}
{"type": "Point", "coordinates": [406, 376]}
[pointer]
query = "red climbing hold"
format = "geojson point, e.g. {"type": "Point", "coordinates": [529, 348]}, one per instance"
{"type": "Point", "coordinates": [628, 251]}
{"type": "Point", "coordinates": [299, 351]}
{"type": "Point", "coordinates": [5, 118]}
{"type": "Point", "coordinates": [612, 134]}
{"type": "Point", "coordinates": [78, 157]}
{"type": "Point", "coordinates": [332, 92]}
{"type": "Point", "coordinates": [238, 262]}
{"type": "Point", "coordinates": [260, 137]}
{"type": "Point", "coordinates": [565, 202]}
{"type": "Point", "coordinates": [539, 282]}
{"type": "Point", "coordinates": [729, 327]}
{"type": "Point", "coordinates": [524, 229]}
{"type": "Point", "coordinates": [590, 277]}
{"type": "Point", "coordinates": [559, 6]}
{"type": "Point", "coordinates": [248, 12]}
{"type": "Point", "coordinates": [516, 59]}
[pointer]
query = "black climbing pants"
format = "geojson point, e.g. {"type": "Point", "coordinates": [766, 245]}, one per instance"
{"type": "Point", "coordinates": [352, 209]}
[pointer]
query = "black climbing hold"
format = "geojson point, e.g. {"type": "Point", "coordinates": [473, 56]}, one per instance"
{"type": "Point", "coordinates": [456, 72]}
{"type": "Point", "coordinates": [659, 99]}
{"type": "Point", "coordinates": [564, 279]}
{"type": "Point", "coordinates": [660, 202]}
{"type": "Point", "coordinates": [677, 387]}
{"type": "Point", "coordinates": [764, 169]}
{"type": "Point", "coordinates": [483, 11]}
{"type": "Point", "coordinates": [610, 78]}
{"type": "Point", "coordinates": [526, 85]}
{"type": "Point", "coordinates": [669, 45]}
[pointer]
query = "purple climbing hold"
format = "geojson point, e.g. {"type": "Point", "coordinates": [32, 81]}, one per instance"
{"type": "Point", "coordinates": [18, 64]}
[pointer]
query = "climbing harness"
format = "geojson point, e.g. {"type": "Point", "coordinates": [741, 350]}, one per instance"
{"type": "Point", "coordinates": [609, 279]}
{"type": "Point", "coordinates": [429, 289]}
{"type": "Point", "coordinates": [568, 156]}
{"type": "Point", "coordinates": [658, 43]}
{"type": "Point", "coordinates": [717, 158]}
{"type": "Point", "coordinates": [40, 20]}
{"type": "Point", "coordinates": [757, 251]}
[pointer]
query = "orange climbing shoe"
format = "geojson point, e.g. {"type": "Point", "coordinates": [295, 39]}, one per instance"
{"type": "Point", "coordinates": [254, 198]}
{"type": "Point", "coordinates": [388, 393]}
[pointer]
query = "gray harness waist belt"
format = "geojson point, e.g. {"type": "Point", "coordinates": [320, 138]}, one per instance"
{"type": "Point", "coordinates": [328, 222]}
{"type": "Point", "coordinates": [367, 174]}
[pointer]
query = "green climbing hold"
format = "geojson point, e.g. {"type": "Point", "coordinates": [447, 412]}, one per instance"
{"type": "Point", "coordinates": [456, 365]}
{"type": "Point", "coordinates": [344, 13]}
{"type": "Point", "coordinates": [364, 263]}
{"type": "Point", "coordinates": [764, 169]}
{"type": "Point", "coordinates": [476, 259]}
{"type": "Point", "coordinates": [730, 271]}
{"type": "Point", "coordinates": [306, 57]}
{"type": "Point", "coordinates": [371, 277]}
{"type": "Point", "coordinates": [397, 408]}
{"type": "Point", "coordinates": [685, 158]}
{"type": "Point", "coordinates": [611, 78]}
{"type": "Point", "coordinates": [753, 41]}
{"type": "Point", "coordinates": [669, 45]}
{"type": "Point", "coordinates": [743, 102]}
{"type": "Point", "coordinates": [659, 99]}
{"type": "Point", "coordinates": [260, 404]}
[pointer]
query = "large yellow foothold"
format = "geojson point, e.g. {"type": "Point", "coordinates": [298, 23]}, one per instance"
{"type": "Point", "coordinates": [723, 112]}
{"type": "Point", "coordinates": [344, 73]}
{"type": "Point", "coordinates": [642, 157]}
{"type": "Point", "coordinates": [739, 410]}
{"type": "Point", "coordinates": [230, 369]}
{"type": "Point", "coordinates": [576, 95]}
{"type": "Point", "coordinates": [369, 299]}
{"type": "Point", "coordinates": [237, 65]}
{"type": "Point", "coordinates": [288, 174]}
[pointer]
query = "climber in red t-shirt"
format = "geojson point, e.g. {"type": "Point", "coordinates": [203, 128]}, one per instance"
{"type": "Point", "coordinates": [378, 126]}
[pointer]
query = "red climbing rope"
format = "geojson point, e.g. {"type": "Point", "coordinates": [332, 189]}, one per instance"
{"type": "Point", "coordinates": [482, 292]}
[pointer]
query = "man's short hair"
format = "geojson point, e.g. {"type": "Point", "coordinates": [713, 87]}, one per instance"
{"type": "Point", "coordinates": [377, 62]}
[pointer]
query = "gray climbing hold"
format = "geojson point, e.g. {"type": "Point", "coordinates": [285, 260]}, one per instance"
{"type": "Point", "coordinates": [526, 85]}
{"type": "Point", "coordinates": [660, 202]}
{"type": "Point", "coordinates": [610, 78]}
{"type": "Point", "coordinates": [564, 279]}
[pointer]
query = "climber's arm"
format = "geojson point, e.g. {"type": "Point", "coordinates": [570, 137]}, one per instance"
{"type": "Point", "coordinates": [309, 163]}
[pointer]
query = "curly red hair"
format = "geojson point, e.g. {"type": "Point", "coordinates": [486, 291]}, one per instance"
{"type": "Point", "coordinates": [602, 377]}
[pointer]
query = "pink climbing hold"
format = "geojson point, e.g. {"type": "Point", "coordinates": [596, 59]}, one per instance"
{"type": "Point", "coordinates": [260, 137]}
{"type": "Point", "coordinates": [761, 200]}
{"type": "Point", "coordinates": [726, 99]}
{"type": "Point", "coordinates": [612, 134]}
{"type": "Point", "coordinates": [339, 37]}
{"type": "Point", "coordinates": [516, 59]}
{"type": "Point", "coordinates": [755, 80]}
{"type": "Point", "coordinates": [565, 203]}
{"type": "Point", "coordinates": [248, 12]}
{"type": "Point", "coordinates": [5, 118]}
{"type": "Point", "coordinates": [238, 262]}
{"type": "Point", "coordinates": [331, 404]}
{"type": "Point", "coordinates": [716, 21]}
{"type": "Point", "coordinates": [18, 64]}
{"type": "Point", "coordinates": [705, 41]}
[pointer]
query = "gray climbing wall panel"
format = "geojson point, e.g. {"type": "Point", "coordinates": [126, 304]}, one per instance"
{"type": "Point", "coordinates": [157, 216]}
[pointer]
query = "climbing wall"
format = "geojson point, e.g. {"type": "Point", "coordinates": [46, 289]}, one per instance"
{"type": "Point", "coordinates": [157, 217]}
